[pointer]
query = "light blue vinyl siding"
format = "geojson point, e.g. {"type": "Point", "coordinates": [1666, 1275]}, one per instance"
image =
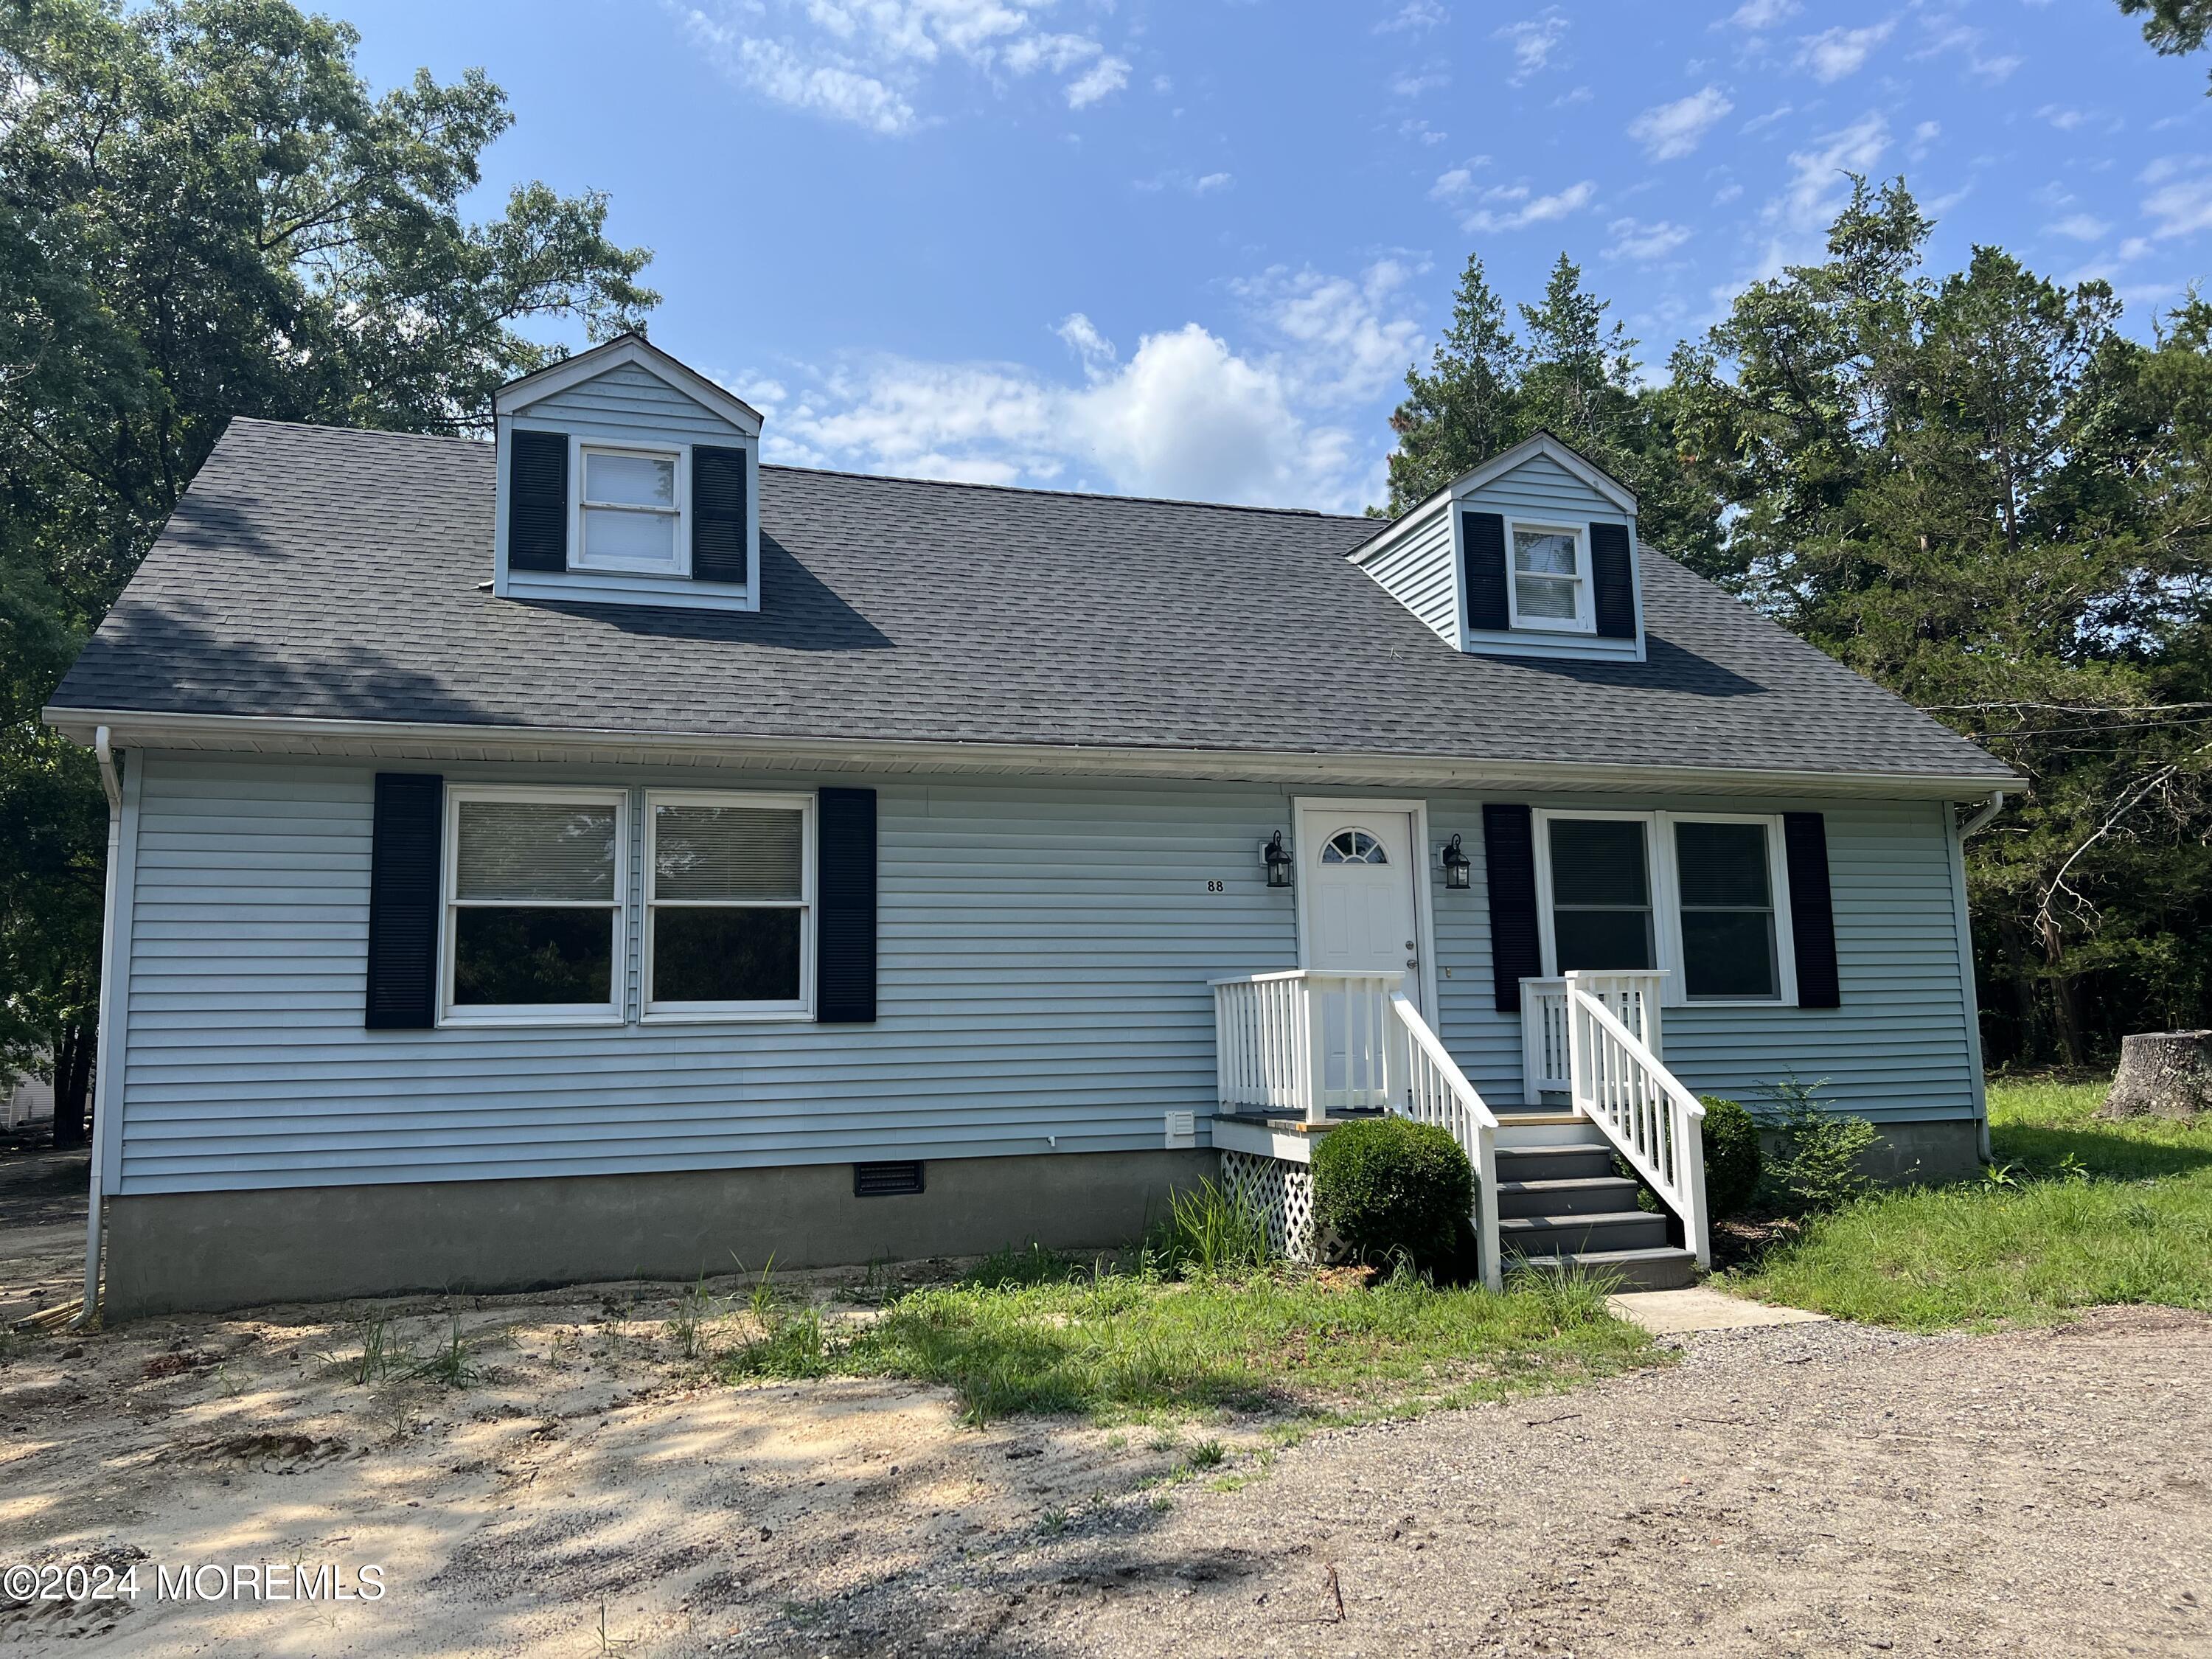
{"type": "Point", "coordinates": [1899, 1047]}
{"type": "Point", "coordinates": [1414, 563]}
{"type": "Point", "coordinates": [1539, 487]}
{"type": "Point", "coordinates": [628, 402]}
{"type": "Point", "coordinates": [1044, 948]}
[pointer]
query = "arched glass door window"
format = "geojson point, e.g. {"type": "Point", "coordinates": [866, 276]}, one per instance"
{"type": "Point", "coordinates": [1353, 847]}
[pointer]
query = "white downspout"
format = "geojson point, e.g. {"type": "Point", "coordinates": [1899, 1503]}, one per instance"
{"type": "Point", "coordinates": [106, 1073]}
{"type": "Point", "coordinates": [1971, 826]}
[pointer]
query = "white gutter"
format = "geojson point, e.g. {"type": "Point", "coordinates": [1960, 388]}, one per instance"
{"type": "Point", "coordinates": [414, 740]}
{"type": "Point", "coordinates": [103, 1038]}
{"type": "Point", "coordinates": [1973, 826]}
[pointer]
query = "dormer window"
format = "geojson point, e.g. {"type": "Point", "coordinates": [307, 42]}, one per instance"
{"type": "Point", "coordinates": [1551, 577]}
{"type": "Point", "coordinates": [626, 478]}
{"type": "Point", "coordinates": [630, 514]}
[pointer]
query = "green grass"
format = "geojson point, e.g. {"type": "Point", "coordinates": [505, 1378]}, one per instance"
{"type": "Point", "coordinates": [2083, 1213]}
{"type": "Point", "coordinates": [1120, 1345]}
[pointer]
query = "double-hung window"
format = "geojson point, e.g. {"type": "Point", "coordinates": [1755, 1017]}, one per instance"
{"type": "Point", "coordinates": [1550, 585]}
{"type": "Point", "coordinates": [629, 513]}
{"type": "Point", "coordinates": [533, 923]}
{"type": "Point", "coordinates": [1730, 939]}
{"type": "Point", "coordinates": [1702, 897]}
{"type": "Point", "coordinates": [729, 905]}
{"type": "Point", "coordinates": [1601, 890]}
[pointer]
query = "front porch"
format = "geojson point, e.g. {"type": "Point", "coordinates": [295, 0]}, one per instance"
{"type": "Point", "coordinates": [1301, 1051]}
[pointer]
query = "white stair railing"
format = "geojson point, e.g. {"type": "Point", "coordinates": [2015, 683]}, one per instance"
{"type": "Point", "coordinates": [1633, 996]}
{"type": "Point", "coordinates": [1304, 1042]}
{"type": "Point", "coordinates": [1654, 1123]}
{"type": "Point", "coordinates": [1437, 1091]}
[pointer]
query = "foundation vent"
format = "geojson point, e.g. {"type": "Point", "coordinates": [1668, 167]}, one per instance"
{"type": "Point", "coordinates": [891, 1180]}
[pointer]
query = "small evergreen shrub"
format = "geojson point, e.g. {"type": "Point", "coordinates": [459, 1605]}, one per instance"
{"type": "Point", "coordinates": [1393, 1190]}
{"type": "Point", "coordinates": [1733, 1163]}
{"type": "Point", "coordinates": [1815, 1167]}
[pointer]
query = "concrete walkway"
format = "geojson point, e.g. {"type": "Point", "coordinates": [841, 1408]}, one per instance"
{"type": "Point", "coordinates": [1701, 1308]}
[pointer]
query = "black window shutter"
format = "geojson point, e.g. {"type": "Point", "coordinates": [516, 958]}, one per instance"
{"type": "Point", "coordinates": [718, 514]}
{"type": "Point", "coordinates": [1482, 538]}
{"type": "Point", "coordinates": [1812, 910]}
{"type": "Point", "coordinates": [537, 501]}
{"type": "Point", "coordinates": [1613, 582]}
{"type": "Point", "coordinates": [403, 902]}
{"type": "Point", "coordinates": [845, 932]}
{"type": "Point", "coordinates": [1509, 855]}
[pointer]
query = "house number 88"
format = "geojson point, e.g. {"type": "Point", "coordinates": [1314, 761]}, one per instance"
{"type": "Point", "coordinates": [1216, 886]}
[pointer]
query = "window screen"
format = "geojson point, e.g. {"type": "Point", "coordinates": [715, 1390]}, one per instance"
{"type": "Point", "coordinates": [1600, 895]}
{"type": "Point", "coordinates": [1727, 910]}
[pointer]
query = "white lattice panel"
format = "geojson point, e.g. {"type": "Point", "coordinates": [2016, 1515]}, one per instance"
{"type": "Point", "coordinates": [1282, 1194]}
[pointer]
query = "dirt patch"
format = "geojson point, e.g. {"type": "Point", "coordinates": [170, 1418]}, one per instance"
{"type": "Point", "coordinates": [1812, 1489]}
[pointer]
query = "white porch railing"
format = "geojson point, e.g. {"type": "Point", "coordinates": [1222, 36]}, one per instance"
{"type": "Point", "coordinates": [1437, 1091]}
{"type": "Point", "coordinates": [1618, 1082]}
{"type": "Point", "coordinates": [1304, 1042]}
{"type": "Point", "coordinates": [1633, 998]}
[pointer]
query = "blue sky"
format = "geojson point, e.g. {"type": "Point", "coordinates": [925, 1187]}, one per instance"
{"type": "Point", "coordinates": [1189, 248]}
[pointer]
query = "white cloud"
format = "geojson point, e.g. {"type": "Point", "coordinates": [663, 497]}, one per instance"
{"type": "Point", "coordinates": [1835, 53]}
{"type": "Point", "coordinates": [1191, 183]}
{"type": "Point", "coordinates": [1949, 34]}
{"type": "Point", "coordinates": [1817, 184]}
{"type": "Point", "coordinates": [1644, 244]}
{"type": "Point", "coordinates": [1412, 83]}
{"type": "Point", "coordinates": [1758, 14]}
{"type": "Point", "coordinates": [1727, 193]}
{"type": "Point", "coordinates": [1515, 207]}
{"type": "Point", "coordinates": [1185, 414]}
{"type": "Point", "coordinates": [1413, 16]}
{"type": "Point", "coordinates": [1457, 184]}
{"type": "Point", "coordinates": [2181, 202]}
{"type": "Point", "coordinates": [1670, 131]}
{"type": "Point", "coordinates": [871, 61]}
{"type": "Point", "coordinates": [1422, 131]}
{"type": "Point", "coordinates": [1535, 41]}
{"type": "Point", "coordinates": [2081, 227]}
{"type": "Point", "coordinates": [2061, 117]}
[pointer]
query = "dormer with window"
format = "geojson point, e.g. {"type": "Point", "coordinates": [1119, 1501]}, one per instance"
{"type": "Point", "coordinates": [626, 478]}
{"type": "Point", "coordinates": [1532, 554]}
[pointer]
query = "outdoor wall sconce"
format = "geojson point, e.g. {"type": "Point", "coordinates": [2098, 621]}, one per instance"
{"type": "Point", "coordinates": [1458, 868]}
{"type": "Point", "coordinates": [1277, 858]}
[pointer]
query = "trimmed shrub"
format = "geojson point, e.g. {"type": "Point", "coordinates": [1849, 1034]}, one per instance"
{"type": "Point", "coordinates": [1393, 1189]}
{"type": "Point", "coordinates": [1733, 1163]}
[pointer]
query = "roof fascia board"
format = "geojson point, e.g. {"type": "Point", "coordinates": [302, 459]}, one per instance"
{"type": "Point", "coordinates": [517, 396]}
{"type": "Point", "coordinates": [264, 734]}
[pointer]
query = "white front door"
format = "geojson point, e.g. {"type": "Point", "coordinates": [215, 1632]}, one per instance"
{"type": "Point", "coordinates": [1356, 869]}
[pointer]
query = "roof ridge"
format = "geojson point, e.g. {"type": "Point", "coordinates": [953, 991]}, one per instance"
{"type": "Point", "coordinates": [870, 477]}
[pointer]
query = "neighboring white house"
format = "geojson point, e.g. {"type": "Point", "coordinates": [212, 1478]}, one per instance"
{"type": "Point", "coordinates": [597, 853]}
{"type": "Point", "coordinates": [25, 1099]}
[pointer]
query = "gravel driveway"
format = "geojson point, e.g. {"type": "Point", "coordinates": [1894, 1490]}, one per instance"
{"type": "Point", "coordinates": [1814, 1490]}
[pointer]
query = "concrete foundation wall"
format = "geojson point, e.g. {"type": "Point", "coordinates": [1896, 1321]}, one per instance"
{"type": "Point", "coordinates": [170, 1252]}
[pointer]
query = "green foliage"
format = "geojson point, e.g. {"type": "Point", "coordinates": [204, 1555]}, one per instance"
{"type": "Point", "coordinates": [1117, 1345]}
{"type": "Point", "coordinates": [1567, 371]}
{"type": "Point", "coordinates": [2172, 26]}
{"type": "Point", "coordinates": [1205, 1232]}
{"type": "Point", "coordinates": [2091, 1213]}
{"type": "Point", "coordinates": [1394, 1191]}
{"type": "Point", "coordinates": [1816, 1166]}
{"type": "Point", "coordinates": [1032, 1265]}
{"type": "Point", "coordinates": [206, 212]}
{"type": "Point", "coordinates": [1733, 1163]}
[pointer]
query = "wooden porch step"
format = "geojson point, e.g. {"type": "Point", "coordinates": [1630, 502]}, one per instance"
{"type": "Point", "coordinates": [1662, 1268]}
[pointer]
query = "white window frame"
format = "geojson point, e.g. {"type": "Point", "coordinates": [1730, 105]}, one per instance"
{"type": "Point", "coordinates": [801, 1007]}
{"type": "Point", "coordinates": [609, 1012]}
{"type": "Point", "coordinates": [580, 446]}
{"type": "Point", "coordinates": [1777, 889]}
{"type": "Point", "coordinates": [1664, 881]}
{"type": "Point", "coordinates": [1585, 617]}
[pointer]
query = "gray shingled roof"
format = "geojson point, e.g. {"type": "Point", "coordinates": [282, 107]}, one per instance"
{"type": "Point", "coordinates": [316, 573]}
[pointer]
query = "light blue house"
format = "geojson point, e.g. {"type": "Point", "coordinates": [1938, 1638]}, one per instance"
{"type": "Point", "coordinates": [597, 853]}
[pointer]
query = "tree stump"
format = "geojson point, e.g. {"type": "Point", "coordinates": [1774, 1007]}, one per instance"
{"type": "Point", "coordinates": [2168, 1073]}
